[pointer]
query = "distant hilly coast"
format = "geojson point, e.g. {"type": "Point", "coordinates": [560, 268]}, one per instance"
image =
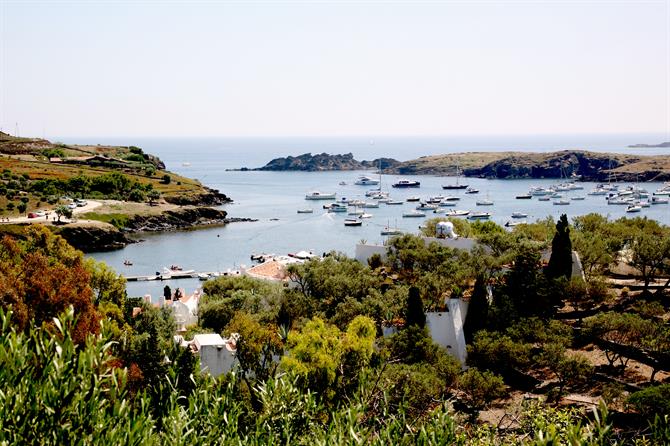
{"type": "Point", "coordinates": [650, 146]}
{"type": "Point", "coordinates": [580, 164]}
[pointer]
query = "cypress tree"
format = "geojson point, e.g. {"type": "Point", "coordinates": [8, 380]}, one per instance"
{"type": "Point", "coordinates": [414, 314]}
{"type": "Point", "coordinates": [478, 310]}
{"type": "Point", "coordinates": [560, 262]}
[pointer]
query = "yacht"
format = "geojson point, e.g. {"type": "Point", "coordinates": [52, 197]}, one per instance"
{"type": "Point", "coordinates": [457, 213]}
{"type": "Point", "coordinates": [633, 208]}
{"type": "Point", "coordinates": [316, 195]}
{"type": "Point", "coordinates": [457, 185]}
{"type": "Point", "coordinates": [657, 200]}
{"type": "Point", "coordinates": [352, 222]}
{"type": "Point", "coordinates": [406, 183]}
{"type": "Point", "coordinates": [479, 216]}
{"type": "Point", "coordinates": [471, 190]}
{"type": "Point", "coordinates": [366, 181]}
{"type": "Point", "coordinates": [426, 207]}
{"type": "Point", "coordinates": [390, 231]}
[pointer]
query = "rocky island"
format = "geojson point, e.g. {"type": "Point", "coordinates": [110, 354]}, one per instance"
{"type": "Point", "coordinates": [324, 162]}
{"type": "Point", "coordinates": [120, 189]}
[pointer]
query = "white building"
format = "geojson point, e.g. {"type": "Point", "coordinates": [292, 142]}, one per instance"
{"type": "Point", "coordinates": [217, 355]}
{"type": "Point", "coordinates": [446, 328]}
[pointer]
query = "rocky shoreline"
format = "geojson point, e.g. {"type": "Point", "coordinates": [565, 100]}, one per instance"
{"type": "Point", "coordinates": [95, 238]}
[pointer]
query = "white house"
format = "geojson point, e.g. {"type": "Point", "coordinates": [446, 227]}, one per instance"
{"type": "Point", "coordinates": [446, 328]}
{"type": "Point", "coordinates": [217, 355]}
{"type": "Point", "coordinates": [186, 311]}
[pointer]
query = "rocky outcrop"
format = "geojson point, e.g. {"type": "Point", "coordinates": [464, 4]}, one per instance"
{"type": "Point", "coordinates": [323, 162]}
{"type": "Point", "coordinates": [177, 219]}
{"type": "Point", "coordinates": [210, 197]}
{"type": "Point", "coordinates": [94, 238]}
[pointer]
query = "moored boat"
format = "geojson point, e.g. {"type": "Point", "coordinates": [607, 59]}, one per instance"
{"type": "Point", "coordinates": [316, 195]}
{"type": "Point", "coordinates": [479, 216]}
{"type": "Point", "coordinates": [413, 213]}
{"type": "Point", "coordinates": [352, 222]}
{"type": "Point", "coordinates": [406, 184]}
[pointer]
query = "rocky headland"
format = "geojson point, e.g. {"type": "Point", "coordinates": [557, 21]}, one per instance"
{"type": "Point", "coordinates": [579, 164]}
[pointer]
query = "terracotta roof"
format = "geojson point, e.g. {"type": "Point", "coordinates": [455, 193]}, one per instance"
{"type": "Point", "coordinates": [269, 270]}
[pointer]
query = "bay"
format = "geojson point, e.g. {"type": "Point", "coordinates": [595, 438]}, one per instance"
{"type": "Point", "coordinates": [274, 198]}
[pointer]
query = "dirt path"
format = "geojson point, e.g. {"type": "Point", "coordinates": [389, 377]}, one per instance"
{"type": "Point", "coordinates": [50, 215]}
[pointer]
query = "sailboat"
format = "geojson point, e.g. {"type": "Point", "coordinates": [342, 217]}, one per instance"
{"type": "Point", "coordinates": [457, 185]}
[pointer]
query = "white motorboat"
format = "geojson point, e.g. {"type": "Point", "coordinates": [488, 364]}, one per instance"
{"type": "Point", "coordinates": [479, 216]}
{"type": "Point", "coordinates": [413, 198]}
{"type": "Point", "coordinates": [457, 213]}
{"type": "Point", "coordinates": [365, 215]}
{"type": "Point", "coordinates": [598, 191]}
{"type": "Point", "coordinates": [352, 222]}
{"type": "Point", "coordinates": [305, 211]}
{"type": "Point", "coordinates": [316, 195]}
{"type": "Point", "coordinates": [519, 215]}
{"type": "Point", "coordinates": [511, 224]}
{"type": "Point", "coordinates": [426, 207]}
{"type": "Point", "coordinates": [657, 200]}
{"type": "Point", "coordinates": [435, 200]}
{"type": "Point", "coordinates": [484, 202]}
{"type": "Point", "coordinates": [451, 198]}
{"type": "Point", "coordinates": [447, 203]}
{"type": "Point", "coordinates": [203, 276]}
{"type": "Point", "coordinates": [471, 190]}
{"type": "Point", "coordinates": [366, 181]}
{"type": "Point", "coordinates": [543, 198]}
{"type": "Point", "coordinates": [578, 198]}
{"type": "Point", "coordinates": [369, 205]}
{"type": "Point", "coordinates": [540, 191]}
{"type": "Point", "coordinates": [561, 203]}
{"type": "Point", "coordinates": [394, 202]}
{"type": "Point", "coordinates": [413, 213]}
{"type": "Point", "coordinates": [633, 208]}
{"type": "Point", "coordinates": [643, 203]}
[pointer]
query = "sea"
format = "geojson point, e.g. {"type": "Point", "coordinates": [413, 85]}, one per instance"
{"type": "Point", "coordinates": [273, 198]}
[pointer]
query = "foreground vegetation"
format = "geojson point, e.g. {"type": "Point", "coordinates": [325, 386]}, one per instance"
{"type": "Point", "coordinates": [314, 365]}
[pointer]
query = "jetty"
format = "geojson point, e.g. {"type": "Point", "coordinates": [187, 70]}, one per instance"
{"type": "Point", "coordinates": [181, 275]}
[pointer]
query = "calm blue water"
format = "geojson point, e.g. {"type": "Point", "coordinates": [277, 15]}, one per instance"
{"type": "Point", "coordinates": [278, 195]}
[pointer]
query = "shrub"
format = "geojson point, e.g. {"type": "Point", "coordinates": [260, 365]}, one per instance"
{"type": "Point", "coordinates": [166, 179]}
{"type": "Point", "coordinates": [652, 400]}
{"type": "Point", "coordinates": [480, 388]}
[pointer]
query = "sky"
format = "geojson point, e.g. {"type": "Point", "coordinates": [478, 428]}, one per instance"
{"type": "Point", "coordinates": [348, 68]}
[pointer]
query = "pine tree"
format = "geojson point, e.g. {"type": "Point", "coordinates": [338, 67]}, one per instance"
{"type": "Point", "coordinates": [560, 262]}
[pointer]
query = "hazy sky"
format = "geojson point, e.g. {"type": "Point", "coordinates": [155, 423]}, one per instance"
{"type": "Point", "coordinates": [122, 68]}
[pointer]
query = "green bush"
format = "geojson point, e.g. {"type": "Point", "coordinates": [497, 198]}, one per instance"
{"type": "Point", "coordinates": [480, 388]}
{"type": "Point", "coordinates": [652, 400]}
